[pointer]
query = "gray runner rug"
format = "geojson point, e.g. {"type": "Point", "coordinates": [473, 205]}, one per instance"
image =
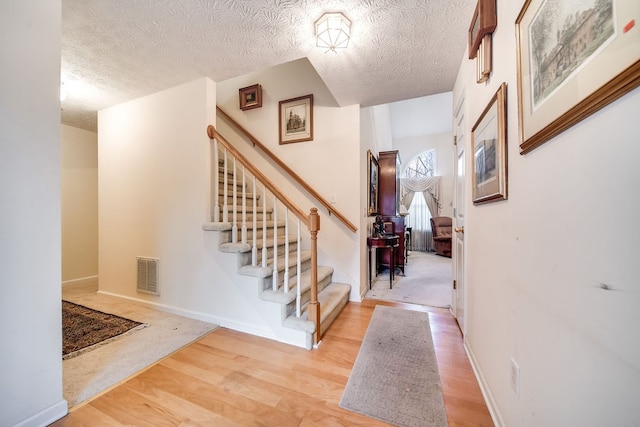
{"type": "Point", "coordinates": [395, 378]}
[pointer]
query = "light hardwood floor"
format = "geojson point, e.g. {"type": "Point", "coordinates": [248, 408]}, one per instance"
{"type": "Point", "coordinates": [230, 378]}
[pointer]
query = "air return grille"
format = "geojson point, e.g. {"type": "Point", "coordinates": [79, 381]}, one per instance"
{"type": "Point", "coordinates": [148, 275]}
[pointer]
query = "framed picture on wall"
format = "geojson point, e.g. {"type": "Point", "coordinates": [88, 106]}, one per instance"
{"type": "Point", "coordinates": [372, 180]}
{"type": "Point", "coordinates": [573, 59]}
{"type": "Point", "coordinates": [250, 97]}
{"type": "Point", "coordinates": [296, 119]}
{"type": "Point", "coordinates": [489, 144]}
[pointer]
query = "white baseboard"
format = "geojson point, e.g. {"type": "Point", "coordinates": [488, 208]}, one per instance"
{"type": "Point", "coordinates": [498, 421]}
{"type": "Point", "coordinates": [46, 416]}
{"type": "Point", "coordinates": [89, 280]}
{"type": "Point", "coordinates": [204, 317]}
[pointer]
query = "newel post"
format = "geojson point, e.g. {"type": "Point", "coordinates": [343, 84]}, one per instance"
{"type": "Point", "coordinates": [314, 306]}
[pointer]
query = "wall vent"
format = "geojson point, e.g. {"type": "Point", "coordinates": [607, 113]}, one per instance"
{"type": "Point", "coordinates": [147, 275]}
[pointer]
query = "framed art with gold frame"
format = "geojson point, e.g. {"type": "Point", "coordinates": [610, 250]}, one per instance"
{"type": "Point", "coordinates": [489, 145]}
{"type": "Point", "coordinates": [372, 180]}
{"type": "Point", "coordinates": [296, 119]}
{"type": "Point", "coordinates": [571, 62]}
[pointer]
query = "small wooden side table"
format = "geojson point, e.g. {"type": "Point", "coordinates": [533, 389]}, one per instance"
{"type": "Point", "coordinates": [389, 242]}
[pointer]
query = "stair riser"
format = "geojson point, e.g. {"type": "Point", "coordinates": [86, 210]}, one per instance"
{"type": "Point", "coordinates": [305, 296]}
{"type": "Point", "coordinates": [226, 235]}
{"type": "Point", "coordinates": [245, 258]}
{"type": "Point", "coordinates": [259, 217]}
{"type": "Point", "coordinates": [267, 282]}
{"type": "Point", "coordinates": [238, 201]}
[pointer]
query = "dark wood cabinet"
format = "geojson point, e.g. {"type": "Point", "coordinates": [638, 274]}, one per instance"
{"type": "Point", "coordinates": [389, 204]}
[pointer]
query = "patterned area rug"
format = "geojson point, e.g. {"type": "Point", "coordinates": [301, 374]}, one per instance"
{"type": "Point", "coordinates": [84, 329]}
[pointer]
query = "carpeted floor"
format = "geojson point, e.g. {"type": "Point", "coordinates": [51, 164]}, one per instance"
{"type": "Point", "coordinates": [93, 372]}
{"type": "Point", "coordinates": [427, 281]}
{"type": "Point", "coordinates": [395, 377]}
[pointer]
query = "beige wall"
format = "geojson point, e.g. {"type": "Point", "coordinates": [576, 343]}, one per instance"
{"type": "Point", "coordinates": [79, 204]}
{"type": "Point", "coordinates": [551, 277]}
{"type": "Point", "coordinates": [30, 293]}
{"type": "Point", "coordinates": [328, 163]}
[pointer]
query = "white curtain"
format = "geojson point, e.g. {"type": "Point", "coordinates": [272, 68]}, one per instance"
{"type": "Point", "coordinates": [427, 206]}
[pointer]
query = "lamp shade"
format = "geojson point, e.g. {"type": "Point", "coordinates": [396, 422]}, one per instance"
{"type": "Point", "coordinates": [333, 31]}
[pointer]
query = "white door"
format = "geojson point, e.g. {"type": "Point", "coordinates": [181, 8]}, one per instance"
{"type": "Point", "coordinates": [458, 307]}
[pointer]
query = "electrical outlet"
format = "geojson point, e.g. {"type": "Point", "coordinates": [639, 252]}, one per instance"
{"type": "Point", "coordinates": [333, 198]}
{"type": "Point", "coordinates": [515, 377]}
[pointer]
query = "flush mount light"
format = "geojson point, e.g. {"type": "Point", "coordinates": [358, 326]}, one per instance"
{"type": "Point", "coordinates": [333, 31]}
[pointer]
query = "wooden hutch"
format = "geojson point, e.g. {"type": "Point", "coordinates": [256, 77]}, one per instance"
{"type": "Point", "coordinates": [389, 206]}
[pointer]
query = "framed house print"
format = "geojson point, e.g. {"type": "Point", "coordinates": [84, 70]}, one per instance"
{"type": "Point", "coordinates": [573, 59]}
{"type": "Point", "coordinates": [296, 119]}
{"type": "Point", "coordinates": [372, 180]}
{"type": "Point", "coordinates": [489, 144]}
{"type": "Point", "coordinates": [250, 97]}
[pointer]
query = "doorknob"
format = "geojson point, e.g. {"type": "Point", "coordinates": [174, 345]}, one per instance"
{"type": "Point", "coordinates": [459, 230]}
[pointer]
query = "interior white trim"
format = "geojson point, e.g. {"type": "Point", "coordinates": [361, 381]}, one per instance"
{"type": "Point", "coordinates": [46, 416]}
{"type": "Point", "coordinates": [81, 281]}
{"type": "Point", "coordinates": [221, 321]}
{"type": "Point", "coordinates": [498, 421]}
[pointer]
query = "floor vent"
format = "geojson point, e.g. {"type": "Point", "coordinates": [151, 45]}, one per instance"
{"type": "Point", "coordinates": [147, 275]}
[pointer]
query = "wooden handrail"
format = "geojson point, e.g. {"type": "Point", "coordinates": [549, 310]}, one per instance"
{"type": "Point", "coordinates": [312, 220]}
{"type": "Point", "coordinates": [302, 215]}
{"type": "Point", "coordinates": [288, 170]}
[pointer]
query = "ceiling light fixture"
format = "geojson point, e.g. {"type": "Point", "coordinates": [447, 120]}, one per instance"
{"type": "Point", "coordinates": [333, 31]}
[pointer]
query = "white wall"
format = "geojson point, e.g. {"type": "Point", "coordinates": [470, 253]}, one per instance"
{"type": "Point", "coordinates": [79, 205]}
{"type": "Point", "coordinates": [30, 296]}
{"type": "Point", "coordinates": [422, 124]}
{"type": "Point", "coordinates": [326, 163]}
{"type": "Point", "coordinates": [153, 191]}
{"type": "Point", "coordinates": [426, 115]}
{"type": "Point", "coordinates": [537, 264]}
{"type": "Point", "coordinates": [154, 197]}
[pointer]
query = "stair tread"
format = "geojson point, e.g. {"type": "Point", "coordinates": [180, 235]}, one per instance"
{"type": "Point", "coordinates": [279, 296]}
{"type": "Point", "coordinates": [329, 298]}
{"type": "Point", "coordinates": [262, 272]}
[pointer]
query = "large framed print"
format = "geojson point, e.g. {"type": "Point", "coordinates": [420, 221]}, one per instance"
{"type": "Point", "coordinates": [489, 144]}
{"type": "Point", "coordinates": [574, 57]}
{"type": "Point", "coordinates": [296, 119]}
{"type": "Point", "coordinates": [372, 180]}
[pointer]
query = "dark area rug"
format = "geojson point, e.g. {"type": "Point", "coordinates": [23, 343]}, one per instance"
{"type": "Point", "coordinates": [395, 377]}
{"type": "Point", "coordinates": [84, 329]}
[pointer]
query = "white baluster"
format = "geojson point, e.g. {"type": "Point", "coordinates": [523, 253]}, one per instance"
{"type": "Point", "coordinates": [254, 248]}
{"type": "Point", "coordinates": [298, 272]}
{"type": "Point", "coordinates": [234, 227]}
{"type": "Point", "coordinates": [216, 184]}
{"type": "Point", "coordinates": [275, 243]}
{"type": "Point", "coordinates": [286, 249]}
{"type": "Point", "coordinates": [225, 208]}
{"type": "Point", "coordinates": [244, 205]}
{"type": "Point", "coordinates": [264, 226]}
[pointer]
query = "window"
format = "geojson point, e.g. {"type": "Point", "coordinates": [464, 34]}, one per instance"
{"type": "Point", "coordinates": [421, 166]}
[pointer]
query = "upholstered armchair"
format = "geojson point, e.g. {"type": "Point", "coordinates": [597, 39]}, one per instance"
{"type": "Point", "coordinates": [441, 229]}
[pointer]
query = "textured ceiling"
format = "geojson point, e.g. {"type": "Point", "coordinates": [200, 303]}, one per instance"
{"type": "Point", "coordinates": [117, 50]}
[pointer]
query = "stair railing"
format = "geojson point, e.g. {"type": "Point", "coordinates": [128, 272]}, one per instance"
{"type": "Point", "coordinates": [312, 220]}
{"type": "Point", "coordinates": [256, 143]}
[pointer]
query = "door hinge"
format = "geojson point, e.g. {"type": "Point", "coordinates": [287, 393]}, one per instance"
{"type": "Point", "coordinates": [455, 285]}
{"type": "Point", "coordinates": [455, 140]}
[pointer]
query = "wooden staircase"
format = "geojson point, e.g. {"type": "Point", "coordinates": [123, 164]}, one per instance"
{"type": "Point", "coordinates": [254, 223]}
